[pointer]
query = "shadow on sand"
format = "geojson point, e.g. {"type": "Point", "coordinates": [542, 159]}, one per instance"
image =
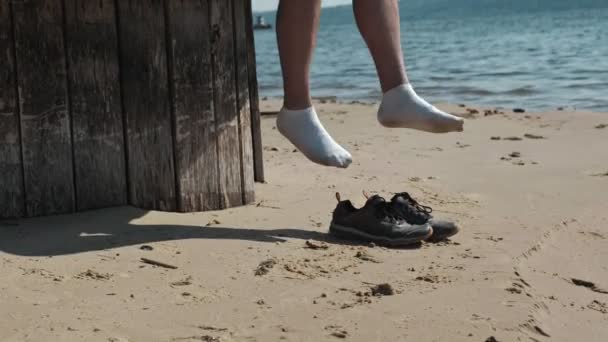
{"type": "Point", "coordinates": [113, 228]}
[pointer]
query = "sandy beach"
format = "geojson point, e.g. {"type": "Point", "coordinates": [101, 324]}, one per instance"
{"type": "Point", "coordinates": [529, 191]}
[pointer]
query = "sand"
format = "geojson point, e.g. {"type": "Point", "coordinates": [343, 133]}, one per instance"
{"type": "Point", "coordinates": [528, 265]}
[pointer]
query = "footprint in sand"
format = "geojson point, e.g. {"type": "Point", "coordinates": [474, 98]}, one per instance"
{"type": "Point", "coordinates": [518, 287]}
{"type": "Point", "coordinates": [535, 328]}
{"type": "Point", "coordinates": [338, 331]}
{"type": "Point", "coordinates": [93, 275]}
{"type": "Point", "coordinates": [598, 306]}
{"type": "Point", "coordinates": [43, 273]}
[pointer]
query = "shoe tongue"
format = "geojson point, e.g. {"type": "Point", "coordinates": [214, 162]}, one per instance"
{"type": "Point", "coordinates": [375, 200]}
{"type": "Point", "coordinates": [399, 198]}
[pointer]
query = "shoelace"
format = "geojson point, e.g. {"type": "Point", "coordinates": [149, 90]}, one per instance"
{"type": "Point", "coordinates": [423, 209]}
{"type": "Point", "coordinates": [386, 210]}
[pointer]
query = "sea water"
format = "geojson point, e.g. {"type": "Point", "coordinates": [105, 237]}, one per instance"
{"type": "Point", "coordinates": [538, 55]}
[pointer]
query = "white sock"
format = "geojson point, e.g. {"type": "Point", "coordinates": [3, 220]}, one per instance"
{"type": "Point", "coordinates": [303, 129]}
{"type": "Point", "coordinates": [402, 107]}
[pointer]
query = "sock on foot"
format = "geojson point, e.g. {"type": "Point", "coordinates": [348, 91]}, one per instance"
{"type": "Point", "coordinates": [303, 129]}
{"type": "Point", "coordinates": [402, 107]}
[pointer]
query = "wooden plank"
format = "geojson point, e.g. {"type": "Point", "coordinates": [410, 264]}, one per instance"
{"type": "Point", "coordinates": [254, 99]}
{"type": "Point", "coordinates": [93, 74]}
{"type": "Point", "coordinates": [11, 171]}
{"type": "Point", "coordinates": [43, 98]}
{"type": "Point", "coordinates": [242, 79]}
{"type": "Point", "coordinates": [225, 103]}
{"type": "Point", "coordinates": [195, 137]}
{"type": "Point", "coordinates": [145, 94]}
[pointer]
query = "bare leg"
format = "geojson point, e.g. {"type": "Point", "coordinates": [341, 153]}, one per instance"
{"type": "Point", "coordinates": [297, 26]}
{"type": "Point", "coordinates": [378, 22]}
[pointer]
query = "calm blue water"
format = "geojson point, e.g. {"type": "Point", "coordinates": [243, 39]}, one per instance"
{"type": "Point", "coordinates": [534, 54]}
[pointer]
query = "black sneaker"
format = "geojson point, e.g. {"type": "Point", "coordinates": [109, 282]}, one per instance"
{"type": "Point", "coordinates": [376, 222]}
{"type": "Point", "coordinates": [415, 213]}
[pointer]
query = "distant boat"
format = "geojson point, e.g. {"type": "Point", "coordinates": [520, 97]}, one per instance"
{"type": "Point", "coordinates": [260, 24]}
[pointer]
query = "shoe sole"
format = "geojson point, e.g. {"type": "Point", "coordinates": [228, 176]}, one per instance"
{"type": "Point", "coordinates": [354, 234]}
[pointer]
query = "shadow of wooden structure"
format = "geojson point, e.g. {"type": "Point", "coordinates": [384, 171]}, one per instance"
{"type": "Point", "coordinates": [151, 103]}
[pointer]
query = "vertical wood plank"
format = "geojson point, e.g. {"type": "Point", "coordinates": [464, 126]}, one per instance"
{"type": "Point", "coordinates": [145, 94]}
{"type": "Point", "coordinates": [45, 122]}
{"type": "Point", "coordinates": [92, 52]}
{"type": "Point", "coordinates": [195, 137]}
{"type": "Point", "coordinates": [225, 105]}
{"type": "Point", "coordinates": [239, 8]}
{"type": "Point", "coordinates": [11, 171]}
{"type": "Point", "coordinates": [254, 98]}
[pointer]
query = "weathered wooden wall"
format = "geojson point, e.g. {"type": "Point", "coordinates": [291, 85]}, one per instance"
{"type": "Point", "coordinates": [191, 78]}
{"type": "Point", "coordinates": [256, 129]}
{"type": "Point", "coordinates": [46, 134]}
{"type": "Point", "coordinates": [95, 105]}
{"type": "Point", "coordinates": [145, 93]}
{"type": "Point", "coordinates": [11, 168]}
{"type": "Point", "coordinates": [240, 20]}
{"type": "Point", "coordinates": [147, 102]}
{"type": "Point", "coordinates": [224, 101]}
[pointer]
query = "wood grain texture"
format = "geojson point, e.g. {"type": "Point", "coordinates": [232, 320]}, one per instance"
{"type": "Point", "coordinates": [254, 101]}
{"type": "Point", "coordinates": [93, 74]}
{"type": "Point", "coordinates": [225, 103]}
{"type": "Point", "coordinates": [11, 171]}
{"type": "Point", "coordinates": [145, 93]}
{"type": "Point", "coordinates": [45, 122]}
{"type": "Point", "coordinates": [195, 137]}
{"type": "Point", "coordinates": [240, 12]}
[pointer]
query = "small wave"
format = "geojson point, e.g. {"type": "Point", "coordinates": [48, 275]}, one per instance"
{"type": "Point", "coordinates": [589, 71]}
{"type": "Point", "coordinates": [600, 106]}
{"type": "Point", "coordinates": [502, 73]}
{"type": "Point", "coordinates": [457, 71]}
{"type": "Point", "coordinates": [570, 78]}
{"type": "Point", "coordinates": [522, 91]}
{"type": "Point", "coordinates": [593, 85]}
{"type": "Point", "coordinates": [471, 91]}
{"type": "Point", "coordinates": [441, 78]}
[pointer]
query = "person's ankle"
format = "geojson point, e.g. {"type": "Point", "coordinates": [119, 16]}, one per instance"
{"type": "Point", "coordinates": [393, 83]}
{"type": "Point", "coordinates": [297, 104]}
{"type": "Point", "coordinates": [400, 85]}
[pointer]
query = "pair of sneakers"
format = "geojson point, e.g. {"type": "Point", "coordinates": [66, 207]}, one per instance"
{"type": "Point", "coordinates": [402, 221]}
